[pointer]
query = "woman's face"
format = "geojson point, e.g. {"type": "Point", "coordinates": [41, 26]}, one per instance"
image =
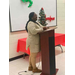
{"type": "Point", "coordinates": [34, 17]}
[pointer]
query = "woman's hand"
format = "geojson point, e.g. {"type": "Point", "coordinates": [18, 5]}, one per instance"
{"type": "Point", "coordinates": [44, 28]}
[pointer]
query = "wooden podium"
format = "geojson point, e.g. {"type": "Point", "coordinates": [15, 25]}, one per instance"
{"type": "Point", "coordinates": [47, 43]}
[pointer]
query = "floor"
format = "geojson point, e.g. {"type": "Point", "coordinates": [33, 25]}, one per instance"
{"type": "Point", "coordinates": [21, 64]}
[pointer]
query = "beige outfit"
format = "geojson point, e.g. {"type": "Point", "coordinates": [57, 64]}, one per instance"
{"type": "Point", "coordinates": [33, 37]}
{"type": "Point", "coordinates": [33, 42]}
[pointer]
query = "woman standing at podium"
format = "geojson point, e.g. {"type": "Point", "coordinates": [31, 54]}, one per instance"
{"type": "Point", "coordinates": [33, 27]}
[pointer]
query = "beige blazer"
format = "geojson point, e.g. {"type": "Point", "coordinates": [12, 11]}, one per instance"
{"type": "Point", "coordinates": [33, 38]}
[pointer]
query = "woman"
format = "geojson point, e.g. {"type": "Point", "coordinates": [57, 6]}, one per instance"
{"type": "Point", "coordinates": [32, 27]}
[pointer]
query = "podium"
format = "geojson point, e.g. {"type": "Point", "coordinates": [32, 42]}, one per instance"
{"type": "Point", "coordinates": [47, 45]}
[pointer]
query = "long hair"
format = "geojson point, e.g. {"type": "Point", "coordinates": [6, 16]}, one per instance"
{"type": "Point", "coordinates": [30, 19]}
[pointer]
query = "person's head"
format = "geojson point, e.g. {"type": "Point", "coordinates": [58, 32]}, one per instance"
{"type": "Point", "coordinates": [32, 16]}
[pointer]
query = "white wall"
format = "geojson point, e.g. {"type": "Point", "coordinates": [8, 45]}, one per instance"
{"type": "Point", "coordinates": [13, 37]}
{"type": "Point", "coordinates": [60, 16]}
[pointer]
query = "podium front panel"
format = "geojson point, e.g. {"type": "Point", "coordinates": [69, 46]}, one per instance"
{"type": "Point", "coordinates": [48, 52]}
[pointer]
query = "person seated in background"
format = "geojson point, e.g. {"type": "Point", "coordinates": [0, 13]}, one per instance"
{"type": "Point", "coordinates": [33, 28]}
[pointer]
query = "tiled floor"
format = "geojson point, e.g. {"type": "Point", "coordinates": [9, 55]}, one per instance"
{"type": "Point", "coordinates": [22, 64]}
